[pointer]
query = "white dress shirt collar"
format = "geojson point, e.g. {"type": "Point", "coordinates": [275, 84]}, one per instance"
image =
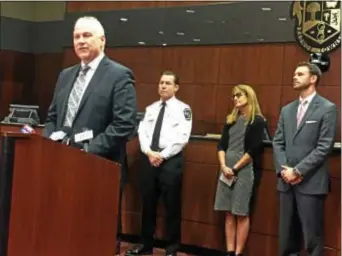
{"type": "Point", "coordinates": [308, 99]}
{"type": "Point", "coordinates": [169, 102]}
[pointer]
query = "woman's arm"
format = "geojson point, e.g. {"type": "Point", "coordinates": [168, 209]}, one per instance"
{"type": "Point", "coordinates": [255, 139]}
{"type": "Point", "coordinates": [221, 154]}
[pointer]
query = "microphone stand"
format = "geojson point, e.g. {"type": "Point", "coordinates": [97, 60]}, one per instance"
{"type": "Point", "coordinates": [86, 146]}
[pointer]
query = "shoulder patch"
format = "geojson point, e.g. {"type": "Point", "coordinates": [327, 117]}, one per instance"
{"type": "Point", "coordinates": [187, 114]}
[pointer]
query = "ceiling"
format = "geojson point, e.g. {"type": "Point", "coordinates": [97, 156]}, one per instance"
{"type": "Point", "coordinates": [210, 24]}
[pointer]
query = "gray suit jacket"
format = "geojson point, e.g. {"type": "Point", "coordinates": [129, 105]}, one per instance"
{"type": "Point", "coordinates": [108, 107]}
{"type": "Point", "coordinates": [306, 148]}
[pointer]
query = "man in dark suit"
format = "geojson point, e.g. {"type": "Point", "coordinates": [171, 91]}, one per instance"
{"type": "Point", "coordinates": [98, 94]}
{"type": "Point", "coordinates": [302, 142]}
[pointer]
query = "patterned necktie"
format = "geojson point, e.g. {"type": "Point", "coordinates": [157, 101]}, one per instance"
{"type": "Point", "coordinates": [157, 128]}
{"type": "Point", "coordinates": [301, 112]}
{"type": "Point", "coordinates": [75, 97]}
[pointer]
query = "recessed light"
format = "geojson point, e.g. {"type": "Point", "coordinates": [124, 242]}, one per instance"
{"type": "Point", "coordinates": [261, 39]}
{"type": "Point", "coordinates": [123, 19]}
{"type": "Point", "coordinates": [246, 33]}
{"type": "Point", "coordinates": [266, 9]}
{"type": "Point", "coordinates": [164, 44]}
{"type": "Point", "coordinates": [282, 19]}
{"type": "Point", "coordinates": [190, 11]}
{"type": "Point", "coordinates": [196, 40]}
{"type": "Point", "coordinates": [161, 32]}
{"type": "Point", "coordinates": [180, 34]}
{"type": "Point", "coordinates": [209, 21]}
{"type": "Point", "coordinates": [141, 43]}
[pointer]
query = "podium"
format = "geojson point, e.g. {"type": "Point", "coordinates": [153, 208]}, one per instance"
{"type": "Point", "coordinates": [55, 200]}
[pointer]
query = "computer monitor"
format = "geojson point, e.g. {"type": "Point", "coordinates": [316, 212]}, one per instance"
{"type": "Point", "coordinates": [23, 114]}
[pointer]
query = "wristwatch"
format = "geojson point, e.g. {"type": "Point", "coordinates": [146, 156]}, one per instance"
{"type": "Point", "coordinates": [235, 170]}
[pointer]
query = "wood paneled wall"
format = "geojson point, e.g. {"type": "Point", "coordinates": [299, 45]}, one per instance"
{"type": "Point", "coordinates": [117, 5]}
{"type": "Point", "coordinates": [208, 74]}
{"type": "Point", "coordinates": [47, 69]}
{"type": "Point", "coordinates": [27, 78]}
{"type": "Point", "coordinates": [16, 77]}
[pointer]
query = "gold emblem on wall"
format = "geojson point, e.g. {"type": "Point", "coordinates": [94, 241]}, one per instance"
{"type": "Point", "coordinates": [318, 25]}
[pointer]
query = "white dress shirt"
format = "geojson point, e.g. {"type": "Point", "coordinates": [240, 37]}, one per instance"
{"type": "Point", "coordinates": [175, 131]}
{"type": "Point", "coordinates": [92, 68]}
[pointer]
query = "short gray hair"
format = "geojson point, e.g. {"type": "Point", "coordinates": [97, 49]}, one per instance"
{"type": "Point", "coordinates": [95, 22]}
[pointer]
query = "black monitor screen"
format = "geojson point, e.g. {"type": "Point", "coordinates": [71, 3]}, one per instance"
{"type": "Point", "coordinates": [21, 113]}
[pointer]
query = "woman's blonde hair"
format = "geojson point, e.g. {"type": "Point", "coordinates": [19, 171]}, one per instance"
{"type": "Point", "coordinates": [253, 107]}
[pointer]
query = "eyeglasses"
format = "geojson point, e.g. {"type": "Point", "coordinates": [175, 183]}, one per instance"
{"type": "Point", "coordinates": [237, 95]}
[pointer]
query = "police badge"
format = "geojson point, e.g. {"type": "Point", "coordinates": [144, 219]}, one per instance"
{"type": "Point", "coordinates": [318, 25]}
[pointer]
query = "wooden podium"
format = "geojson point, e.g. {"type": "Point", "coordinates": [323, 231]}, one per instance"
{"type": "Point", "coordinates": [55, 200]}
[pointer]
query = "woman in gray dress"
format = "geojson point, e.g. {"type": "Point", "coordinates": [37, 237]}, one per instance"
{"type": "Point", "coordinates": [239, 154]}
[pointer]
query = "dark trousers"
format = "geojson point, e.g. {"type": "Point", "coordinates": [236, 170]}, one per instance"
{"type": "Point", "coordinates": [164, 181]}
{"type": "Point", "coordinates": [301, 213]}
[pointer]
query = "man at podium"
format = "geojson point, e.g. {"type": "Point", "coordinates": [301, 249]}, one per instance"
{"type": "Point", "coordinates": [96, 94]}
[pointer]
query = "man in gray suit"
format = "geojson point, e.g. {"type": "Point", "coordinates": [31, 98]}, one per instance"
{"type": "Point", "coordinates": [302, 142]}
{"type": "Point", "coordinates": [97, 94]}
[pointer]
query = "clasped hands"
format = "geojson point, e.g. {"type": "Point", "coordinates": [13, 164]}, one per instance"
{"type": "Point", "coordinates": [227, 172]}
{"type": "Point", "coordinates": [155, 158]}
{"type": "Point", "coordinates": [290, 176]}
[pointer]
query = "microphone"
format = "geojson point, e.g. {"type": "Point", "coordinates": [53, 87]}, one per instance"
{"type": "Point", "coordinates": [62, 135]}
{"type": "Point", "coordinates": [84, 137]}
{"type": "Point", "coordinates": [68, 131]}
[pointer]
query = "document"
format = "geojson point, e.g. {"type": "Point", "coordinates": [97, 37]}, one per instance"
{"type": "Point", "coordinates": [230, 182]}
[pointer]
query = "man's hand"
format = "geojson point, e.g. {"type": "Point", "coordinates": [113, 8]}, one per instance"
{"type": "Point", "coordinates": [297, 180]}
{"type": "Point", "coordinates": [289, 176]}
{"type": "Point", "coordinates": [227, 172]}
{"type": "Point", "coordinates": [155, 158]}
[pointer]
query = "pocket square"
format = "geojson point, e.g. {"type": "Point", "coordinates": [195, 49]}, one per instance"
{"type": "Point", "coordinates": [311, 122]}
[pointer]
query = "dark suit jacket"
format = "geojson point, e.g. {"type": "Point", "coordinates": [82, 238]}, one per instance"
{"type": "Point", "coordinates": [108, 107]}
{"type": "Point", "coordinates": [306, 148]}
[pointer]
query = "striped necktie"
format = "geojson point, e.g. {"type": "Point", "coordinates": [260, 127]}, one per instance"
{"type": "Point", "coordinates": [76, 96]}
{"type": "Point", "coordinates": [301, 112]}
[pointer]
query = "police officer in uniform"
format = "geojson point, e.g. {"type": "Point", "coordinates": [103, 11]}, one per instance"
{"type": "Point", "coordinates": [163, 134]}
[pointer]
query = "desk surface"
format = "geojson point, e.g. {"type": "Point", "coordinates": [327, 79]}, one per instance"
{"type": "Point", "coordinates": [209, 136]}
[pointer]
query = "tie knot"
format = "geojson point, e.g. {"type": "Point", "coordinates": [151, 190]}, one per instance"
{"type": "Point", "coordinates": [304, 102]}
{"type": "Point", "coordinates": [85, 69]}
{"type": "Point", "coordinates": [163, 104]}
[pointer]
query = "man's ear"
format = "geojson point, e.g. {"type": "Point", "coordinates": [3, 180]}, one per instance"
{"type": "Point", "coordinates": [313, 79]}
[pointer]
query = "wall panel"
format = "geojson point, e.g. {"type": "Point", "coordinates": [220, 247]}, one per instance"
{"type": "Point", "coordinates": [208, 74]}
{"type": "Point", "coordinates": [16, 79]}
{"type": "Point", "coordinates": [77, 6]}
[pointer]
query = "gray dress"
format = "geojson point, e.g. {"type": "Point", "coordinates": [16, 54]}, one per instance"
{"type": "Point", "coordinates": [236, 199]}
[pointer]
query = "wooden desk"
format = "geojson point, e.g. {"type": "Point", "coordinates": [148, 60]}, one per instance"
{"type": "Point", "coordinates": [55, 200]}
{"type": "Point", "coordinates": [16, 128]}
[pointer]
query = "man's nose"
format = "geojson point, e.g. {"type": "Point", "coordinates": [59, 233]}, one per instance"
{"type": "Point", "coordinates": [81, 39]}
